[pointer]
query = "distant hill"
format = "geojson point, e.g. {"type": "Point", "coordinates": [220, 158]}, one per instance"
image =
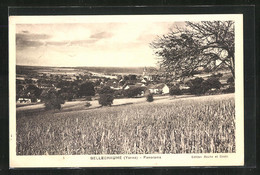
{"type": "Point", "coordinates": [105, 70]}
{"type": "Point", "coordinates": [116, 70]}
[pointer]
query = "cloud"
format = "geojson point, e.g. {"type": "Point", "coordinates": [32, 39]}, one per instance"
{"type": "Point", "coordinates": [101, 35]}
{"type": "Point", "coordinates": [71, 43]}
{"type": "Point", "coordinates": [26, 39]}
{"type": "Point", "coordinates": [83, 42]}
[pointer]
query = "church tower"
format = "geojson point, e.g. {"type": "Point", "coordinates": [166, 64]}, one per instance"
{"type": "Point", "coordinates": [144, 72]}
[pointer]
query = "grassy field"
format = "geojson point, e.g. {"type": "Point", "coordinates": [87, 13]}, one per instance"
{"type": "Point", "coordinates": [188, 125]}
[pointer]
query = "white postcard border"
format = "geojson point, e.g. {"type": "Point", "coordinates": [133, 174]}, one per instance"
{"type": "Point", "coordinates": [138, 160]}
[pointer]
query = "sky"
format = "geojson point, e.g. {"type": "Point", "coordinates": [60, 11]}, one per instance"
{"type": "Point", "coordinates": [109, 44]}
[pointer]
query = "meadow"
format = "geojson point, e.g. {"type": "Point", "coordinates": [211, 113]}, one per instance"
{"type": "Point", "coordinates": [169, 126]}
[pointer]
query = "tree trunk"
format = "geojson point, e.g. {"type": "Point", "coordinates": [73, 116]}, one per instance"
{"type": "Point", "coordinates": [232, 66]}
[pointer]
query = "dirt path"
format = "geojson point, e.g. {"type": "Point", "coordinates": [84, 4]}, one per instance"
{"type": "Point", "coordinates": [80, 105]}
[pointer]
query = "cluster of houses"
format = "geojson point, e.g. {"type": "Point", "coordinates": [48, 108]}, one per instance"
{"type": "Point", "coordinates": [145, 81]}
{"type": "Point", "coordinates": [117, 83]}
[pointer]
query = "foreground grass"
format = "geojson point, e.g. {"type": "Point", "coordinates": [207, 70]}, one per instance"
{"type": "Point", "coordinates": [174, 126]}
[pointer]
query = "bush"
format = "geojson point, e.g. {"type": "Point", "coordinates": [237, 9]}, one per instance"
{"type": "Point", "coordinates": [133, 92]}
{"type": "Point", "coordinates": [52, 100]}
{"type": "Point", "coordinates": [106, 90]}
{"type": "Point", "coordinates": [149, 98]}
{"type": "Point", "coordinates": [87, 104]}
{"type": "Point", "coordinates": [175, 90]}
{"type": "Point", "coordinates": [86, 89]}
{"type": "Point", "coordinates": [88, 98]}
{"type": "Point", "coordinates": [118, 94]}
{"type": "Point", "coordinates": [230, 89]}
{"type": "Point", "coordinates": [200, 86]}
{"type": "Point", "coordinates": [213, 82]}
{"type": "Point", "coordinates": [106, 99]}
{"type": "Point", "coordinates": [185, 91]}
{"type": "Point", "coordinates": [230, 80]}
{"type": "Point", "coordinates": [70, 98]}
{"type": "Point", "coordinates": [54, 103]}
{"type": "Point", "coordinates": [106, 96]}
{"type": "Point", "coordinates": [196, 86]}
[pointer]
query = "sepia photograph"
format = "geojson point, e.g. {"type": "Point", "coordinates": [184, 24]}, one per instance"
{"type": "Point", "coordinates": [126, 90]}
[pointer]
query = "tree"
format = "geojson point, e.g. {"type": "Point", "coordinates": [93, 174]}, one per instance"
{"type": "Point", "coordinates": [86, 89]}
{"type": "Point", "coordinates": [106, 99]}
{"type": "Point", "coordinates": [132, 77]}
{"type": "Point", "coordinates": [106, 96]}
{"type": "Point", "coordinates": [207, 44]}
{"type": "Point", "coordinates": [106, 90]}
{"type": "Point", "coordinates": [33, 92]}
{"type": "Point", "coordinates": [52, 100]}
{"type": "Point", "coordinates": [149, 97]}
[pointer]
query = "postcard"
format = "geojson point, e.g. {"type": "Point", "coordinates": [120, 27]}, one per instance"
{"type": "Point", "coordinates": [126, 90]}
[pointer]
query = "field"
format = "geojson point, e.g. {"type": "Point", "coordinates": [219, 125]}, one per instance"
{"type": "Point", "coordinates": [188, 125]}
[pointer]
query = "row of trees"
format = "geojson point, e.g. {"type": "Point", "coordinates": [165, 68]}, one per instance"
{"type": "Point", "coordinates": [199, 86]}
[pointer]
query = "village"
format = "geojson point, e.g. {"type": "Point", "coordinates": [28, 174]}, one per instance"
{"type": "Point", "coordinates": [32, 86]}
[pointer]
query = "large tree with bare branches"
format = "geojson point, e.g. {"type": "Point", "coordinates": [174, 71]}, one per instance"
{"type": "Point", "coordinates": [206, 44]}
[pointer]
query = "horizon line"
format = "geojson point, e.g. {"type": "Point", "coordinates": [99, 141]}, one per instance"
{"type": "Point", "coordinates": [88, 66]}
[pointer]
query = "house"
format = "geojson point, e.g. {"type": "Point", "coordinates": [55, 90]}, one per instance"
{"type": "Point", "coordinates": [140, 85]}
{"type": "Point", "coordinates": [159, 88]}
{"type": "Point", "coordinates": [24, 100]}
{"type": "Point", "coordinates": [114, 84]}
{"type": "Point", "coordinates": [128, 86]}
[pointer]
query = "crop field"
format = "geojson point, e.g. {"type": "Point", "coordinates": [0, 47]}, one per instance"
{"type": "Point", "coordinates": [193, 125]}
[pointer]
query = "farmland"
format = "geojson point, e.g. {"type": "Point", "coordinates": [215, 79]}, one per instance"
{"type": "Point", "coordinates": [165, 126]}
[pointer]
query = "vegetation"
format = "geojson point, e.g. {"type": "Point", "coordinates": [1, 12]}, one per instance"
{"type": "Point", "coordinates": [106, 96]}
{"type": "Point", "coordinates": [87, 89]}
{"type": "Point", "coordinates": [200, 44]}
{"type": "Point", "coordinates": [199, 86]}
{"type": "Point", "coordinates": [201, 125]}
{"type": "Point", "coordinates": [175, 90]}
{"type": "Point", "coordinates": [149, 97]}
{"type": "Point", "coordinates": [106, 99]}
{"type": "Point", "coordinates": [52, 100]}
{"type": "Point", "coordinates": [133, 92]}
{"type": "Point", "coordinates": [88, 104]}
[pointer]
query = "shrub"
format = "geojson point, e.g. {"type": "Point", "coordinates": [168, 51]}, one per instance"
{"type": "Point", "coordinates": [118, 94]}
{"type": "Point", "coordinates": [106, 90]}
{"type": "Point", "coordinates": [196, 86]}
{"type": "Point", "coordinates": [87, 104]}
{"type": "Point", "coordinates": [133, 92]}
{"type": "Point", "coordinates": [106, 99]}
{"type": "Point", "coordinates": [200, 86]}
{"type": "Point", "coordinates": [149, 98]}
{"type": "Point", "coordinates": [86, 89]}
{"type": "Point", "coordinates": [88, 98]}
{"type": "Point", "coordinates": [70, 98]}
{"type": "Point", "coordinates": [66, 96]}
{"type": "Point", "coordinates": [52, 100]}
{"type": "Point", "coordinates": [54, 103]}
{"type": "Point", "coordinates": [106, 96]}
{"type": "Point", "coordinates": [230, 89]}
{"type": "Point", "coordinates": [230, 80]}
{"type": "Point", "coordinates": [175, 90]}
{"type": "Point", "coordinates": [213, 82]}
